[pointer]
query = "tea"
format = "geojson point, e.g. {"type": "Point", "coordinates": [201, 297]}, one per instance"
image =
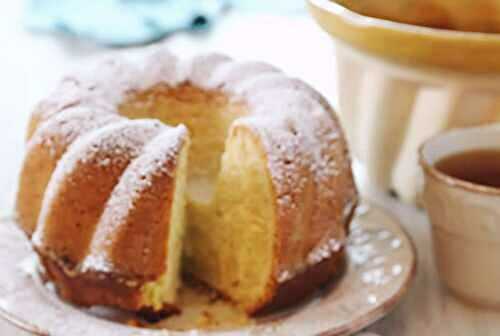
{"type": "Point", "coordinates": [478, 166]}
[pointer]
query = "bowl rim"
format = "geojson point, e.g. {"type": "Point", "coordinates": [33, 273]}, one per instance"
{"type": "Point", "coordinates": [415, 47]}
{"type": "Point", "coordinates": [356, 18]}
{"type": "Point", "coordinates": [450, 181]}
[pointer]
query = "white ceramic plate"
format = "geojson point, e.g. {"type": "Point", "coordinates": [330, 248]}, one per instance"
{"type": "Point", "coordinates": [381, 264]}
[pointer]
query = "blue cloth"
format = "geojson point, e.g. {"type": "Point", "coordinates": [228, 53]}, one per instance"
{"type": "Point", "coordinates": [278, 6]}
{"type": "Point", "coordinates": [121, 22]}
{"type": "Point", "coordinates": [132, 22]}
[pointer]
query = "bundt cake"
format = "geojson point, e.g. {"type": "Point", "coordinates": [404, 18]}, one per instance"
{"type": "Point", "coordinates": [231, 172]}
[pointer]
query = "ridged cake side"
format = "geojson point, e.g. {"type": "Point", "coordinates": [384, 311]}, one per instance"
{"type": "Point", "coordinates": [82, 183]}
{"type": "Point", "coordinates": [43, 152]}
{"type": "Point", "coordinates": [120, 243]}
{"type": "Point", "coordinates": [309, 164]}
{"type": "Point", "coordinates": [133, 260]}
{"type": "Point", "coordinates": [94, 87]}
{"type": "Point", "coordinates": [314, 191]}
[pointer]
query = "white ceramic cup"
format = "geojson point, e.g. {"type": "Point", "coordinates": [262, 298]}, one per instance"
{"type": "Point", "coordinates": [465, 218]}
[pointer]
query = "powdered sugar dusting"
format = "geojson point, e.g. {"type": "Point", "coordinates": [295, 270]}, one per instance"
{"type": "Point", "coordinates": [201, 68]}
{"type": "Point", "coordinates": [64, 128]}
{"type": "Point", "coordinates": [295, 124]}
{"type": "Point", "coordinates": [118, 142]}
{"type": "Point", "coordinates": [324, 251]}
{"type": "Point", "coordinates": [230, 73]}
{"type": "Point", "coordinates": [134, 183]}
{"type": "Point", "coordinates": [303, 142]}
{"type": "Point", "coordinates": [302, 125]}
{"type": "Point", "coordinates": [103, 85]}
{"type": "Point", "coordinates": [161, 66]}
{"type": "Point", "coordinates": [266, 81]}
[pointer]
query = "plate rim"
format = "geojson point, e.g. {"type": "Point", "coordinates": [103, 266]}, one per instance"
{"type": "Point", "coordinates": [395, 300]}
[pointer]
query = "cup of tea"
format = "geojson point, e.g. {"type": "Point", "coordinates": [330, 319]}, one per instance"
{"type": "Point", "coordinates": [462, 197]}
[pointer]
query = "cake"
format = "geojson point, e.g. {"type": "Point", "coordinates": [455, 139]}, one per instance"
{"type": "Point", "coordinates": [230, 172]}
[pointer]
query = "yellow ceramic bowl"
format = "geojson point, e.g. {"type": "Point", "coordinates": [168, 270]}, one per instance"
{"type": "Point", "coordinates": [400, 84]}
{"type": "Point", "coordinates": [411, 44]}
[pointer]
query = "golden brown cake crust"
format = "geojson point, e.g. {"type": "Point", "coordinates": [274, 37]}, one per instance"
{"type": "Point", "coordinates": [302, 286]}
{"type": "Point", "coordinates": [81, 185]}
{"type": "Point", "coordinates": [121, 245]}
{"type": "Point", "coordinates": [314, 190]}
{"type": "Point", "coordinates": [121, 257]}
{"type": "Point", "coordinates": [43, 152]}
{"type": "Point", "coordinates": [89, 289]}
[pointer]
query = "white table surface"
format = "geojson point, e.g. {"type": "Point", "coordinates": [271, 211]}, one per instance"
{"type": "Point", "coordinates": [31, 64]}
